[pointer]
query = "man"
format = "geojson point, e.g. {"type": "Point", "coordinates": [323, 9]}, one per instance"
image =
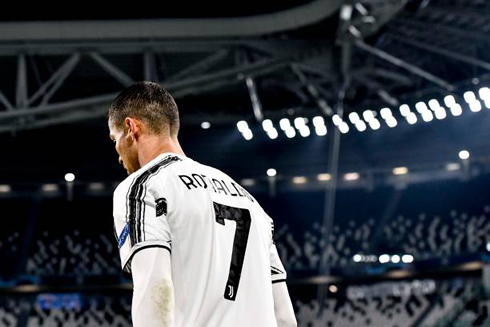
{"type": "Point", "coordinates": [198, 246]}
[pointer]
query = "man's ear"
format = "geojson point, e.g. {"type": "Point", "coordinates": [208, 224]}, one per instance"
{"type": "Point", "coordinates": [132, 127]}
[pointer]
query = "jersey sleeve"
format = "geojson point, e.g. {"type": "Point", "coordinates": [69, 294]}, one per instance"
{"type": "Point", "coordinates": [278, 272]}
{"type": "Point", "coordinates": [140, 218]}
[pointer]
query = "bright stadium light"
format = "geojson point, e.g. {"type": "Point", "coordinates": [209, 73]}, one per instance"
{"type": "Point", "coordinates": [272, 133]}
{"type": "Point", "coordinates": [284, 124]}
{"type": "Point", "coordinates": [321, 130]}
{"type": "Point", "coordinates": [411, 118]}
{"type": "Point", "coordinates": [242, 126]}
{"type": "Point", "coordinates": [205, 125]}
{"type": "Point", "coordinates": [271, 172]}
{"type": "Point", "coordinates": [299, 122]}
{"type": "Point", "coordinates": [304, 131]}
{"type": "Point", "coordinates": [354, 117]}
{"type": "Point", "coordinates": [391, 122]}
{"type": "Point", "coordinates": [299, 180]}
{"type": "Point", "coordinates": [449, 101]}
{"type": "Point", "coordinates": [440, 113]}
{"type": "Point", "coordinates": [400, 171]}
{"type": "Point", "coordinates": [395, 258]}
{"type": "Point", "coordinates": [407, 258]}
{"type": "Point", "coordinates": [404, 110]}
{"type": "Point", "coordinates": [374, 124]}
{"type": "Point", "coordinates": [336, 120]}
{"type": "Point", "coordinates": [361, 126]}
{"type": "Point", "coordinates": [318, 121]}
{"type": "Point", "coordinates": [386, 113]}
{"type": "Point", "coordinates": [323, 177]}
{"type": "Point", "coordinates": [267, 125]}
{"type": "Point", "coordinates": [70, 177]}
{"type": "Point", "coordinates": [384, 258]}
{"type": "Point", "coordinates": [475, 106]}
{"type": "Point", "coordinates": [456, 110]}
{"type": "Point", "coordinates": [421, 107]}
{"type": "Point", "coordinates": [469, 97]}
{"type": "Point", "coordinates": [434, 104]}
{"type": "Point", "coordinates": [290, 132]}
{"type": "Point", "coordinates": [5, 188]}
{"type": "Point", "coordinates": [247, 134]}
{"type": "Point", "coordinates": [427, 116]}
{"type": "Point", "coordinates": [351, 176]}
{"type": "Point", "coordinates": [357, 258]}
{"type": "Point", "coordinates": [248, 182]}
{"type": "Point", "coordinates": [368, 115]}
{"type": "Point", "coordinates": [343, 128]}
{"type": "Point", "coordinates": [464, 155]}
{"type": "Point", "coordinates": [452, 166]}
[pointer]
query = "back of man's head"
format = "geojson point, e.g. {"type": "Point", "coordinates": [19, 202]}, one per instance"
{"type": "Point", "coordinates": [151, 103]}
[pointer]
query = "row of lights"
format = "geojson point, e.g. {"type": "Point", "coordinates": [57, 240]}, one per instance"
{"type": "Point", "coordinates": [271, 173]}
{"type": "Point", "coordinates": [384, 258]}
{"type": "Point", "coordinates": [427, 111]}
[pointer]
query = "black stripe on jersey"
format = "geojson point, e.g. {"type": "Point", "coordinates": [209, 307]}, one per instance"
{"type": "Point", "coordinates": [276, 271]}
{"type": "Point", "coordinates": [127, 267]}
{"type": "Point", "coordinates": [278, 281]}
{"type": "Point", "coordinates": [135, 209]}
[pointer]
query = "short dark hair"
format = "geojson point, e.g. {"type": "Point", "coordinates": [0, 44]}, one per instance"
{"type": "Point", "coordinates": [147, 101]}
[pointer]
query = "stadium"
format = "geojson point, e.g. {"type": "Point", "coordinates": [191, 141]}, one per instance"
{"type": "Point", "coordinates": [360, 126]}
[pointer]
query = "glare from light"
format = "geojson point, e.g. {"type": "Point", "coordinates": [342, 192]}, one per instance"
{"type": "Point", "coordinates": [452, 166]}
{"type": "Point", "coordinates": [272, 133]}
{"type": "Point", "coordinates": [205, 125]}
{"type": "Point", "coordinates": [434, 104]}
{"type": "Point", "coordinates": [404, 110]}
{"type": "Point", "coordinates": [267, 125]}
{"type": "Point", "coordinates": [395, 258]}
{"type": "Point", "coordinates": [299, 180]}
{"type": "Point", "coordinates": [321, 130]}
{"type": "Point", "coordinates": [242, 126]}
{"type": "Point", "coordinates": [484, 93]}
{"type": "Point", "coordinates": [284, 124]}
{"type": "Point", "coordinates": [411, 118]}
{"type": "Point", "coordinates": [421, 107]}
{"type": "Point", "coordinates": [299, 122]}
{"type": "Point", "coordinates": [354, 117]}
{"type": "Point", "coordinates": [344, 128]}
{"type": "Point", "coordinates": [4, 188]}
{"type": "Point", "coordinates": [290, 132]}
{"type": "Point", "coordinates": [304, 131]}
{"type": "Point", "coordinates": [440, 113]}
{"type": "Point", "coordinates": [271, 172]}
{"type": "Point", "coordinates": [318, 121]}
{"type": "Point", "coordinates": [361, 126]}
{"type": "Point", "coordinates": [247, 134]}
{"type": "Point", "coordinates": [391, 122]}
{"type": "Point", "coordinates": [50, 188]}
{"type": "Point", "coordinates": [464, 155]}
{"type": "Point", "coordinates": [488, 246]}
{"type": "Point", "coordinates": [456, 110]}
{"type": "Point", "coordinates": [323, 177]}
{"type": "Point", "coordinates": [449, 101]}
{"type": "Point", "coordinates": [386, 113]}
{"type": "Point", "coordinates": [333, 289]}
{"type": "Point", "coordinates": [407, 258]}
{"type": "Point", "coordinates": [69, 177]}
{"type": "Point", "coordinates": [384, 258]}
{"type": "Point", "coordinates": [248, 182]}
{"type": "Point", "coordinates": [400, 171]}
{"type": "Point", "coordinates": [475, 106]}
{"type": "Point", "coordinates": [374, 124]}
{"type": "Point", "coordinates": [336, 120]}
{"type": "Point", "coordinates": [427, 116]}
{"type": "Point", "coordinates": [357, 258]}
{"type": "Point", "coordinates": [469, 97]}
{"type": "Point", "coordinates": [96, 186]}
{"type": "Point", "coordinates": [351, 176]}
{"type": "Point", "coordinates": [368, 115]}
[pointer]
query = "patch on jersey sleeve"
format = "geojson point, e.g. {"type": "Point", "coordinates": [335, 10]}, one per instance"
{"type": "Point", "coordinates": [123, 236]}
{"type": "Point", "coordinates": [161, 207]}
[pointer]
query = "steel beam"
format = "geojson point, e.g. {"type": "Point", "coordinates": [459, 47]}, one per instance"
{"type": "Point", "coordinates": [115, 72]}
{"type": "Point", "coordinates": [21, 90]}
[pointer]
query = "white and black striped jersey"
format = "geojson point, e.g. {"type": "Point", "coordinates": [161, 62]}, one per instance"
{"type": "Point", "coordinates": [224, 260]}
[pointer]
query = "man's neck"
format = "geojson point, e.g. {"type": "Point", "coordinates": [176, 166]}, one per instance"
{"type": "Point", "coordinates": [152, 147]}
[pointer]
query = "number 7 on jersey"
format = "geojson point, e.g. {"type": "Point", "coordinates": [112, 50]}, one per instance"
{"type": "Point", "coordinates": [243, 221]}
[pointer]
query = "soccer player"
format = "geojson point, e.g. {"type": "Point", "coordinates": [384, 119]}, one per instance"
{"type": "Point", "coordinates": [198, 246]}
